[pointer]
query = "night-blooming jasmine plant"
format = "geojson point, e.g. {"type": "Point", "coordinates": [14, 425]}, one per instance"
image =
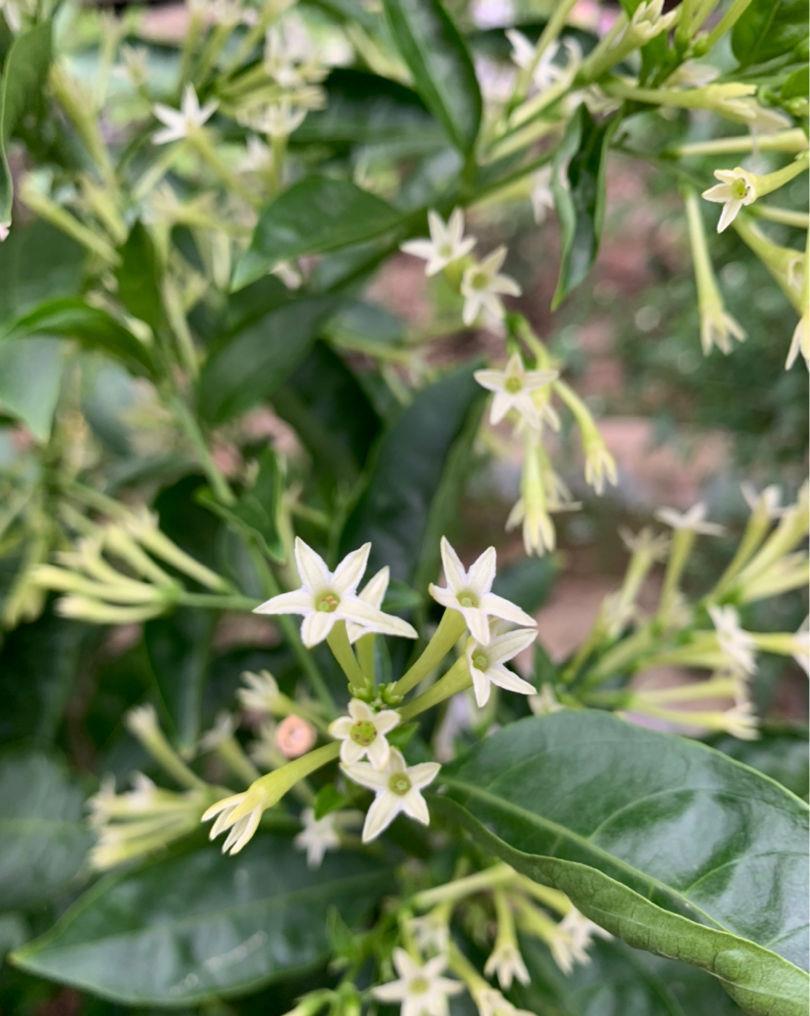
{"type": "Point", "coordinates": [447, 242]}
{"type": "Point", "coordinates": [421, 988]}
{"type": "Point", "coordinates": [397, 790]}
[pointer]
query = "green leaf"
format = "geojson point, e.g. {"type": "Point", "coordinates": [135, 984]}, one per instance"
{"type": "Point", "coordinates": [781, 753]}
{"type": "Point", "coordinates": [178, 647]}
{"type": "Point", "coordinates": [331, 413]}
{"type": "Point", "coordinates": [139, 277]}
{"type": "Point", "coordinates": [251, 363]}
{"type": "Point", "coordinates": [30, 378]}
{"type": "Point", "coordinates": [769, 28]}
{"type": "Point", "coordinates": [579, 195]}
{"type": "Point", "coordinates": [617, 981]}
{"type": "Point", "coordinates": [255, 513]}
{"type": "Point", "coordinates": [91, 327]}
{"type": "Point", "coordinates": [37, 262]}
{"type": "Point", "coordinates": [438, 59]}
{"type": "Point", "coordinates": [668, 844]}
{"type": "Point", "coordinates": [24, 73]}
{"type": "Point", "coordinates": [42, 828]}
{"type": "Point", "coordinates": [40, 663]}
{"type": "Point", "coordinates": [200, 926]}
{"type": "Point", "coordinates": [412, 487]}
{"type": "Point", "coordinates": [315, 215]}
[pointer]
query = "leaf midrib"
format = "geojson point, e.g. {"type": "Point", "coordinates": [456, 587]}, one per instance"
{"type": "Point", "coordinates": [586, 844]}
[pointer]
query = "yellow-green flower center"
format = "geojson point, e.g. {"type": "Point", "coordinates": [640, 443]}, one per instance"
{"type": "Point", "coordinates": [363, 733]}
{"type": "Point", "coordinates": [327, 602]}
{"type": "Point", "coordinates": [418, 986]}
{"type": "Point", "coordinates": [467, 598]}
{"type": "Point", "coordinates": [513, 384]}
{"type": "Point", "coordinates": [399, 783]}
{"type": "Point", "coordinates": [739, 189]}
{"type": "Point", "coordinates": [479, 280]}
{"type": "Point", "coordinates": [480, 660]}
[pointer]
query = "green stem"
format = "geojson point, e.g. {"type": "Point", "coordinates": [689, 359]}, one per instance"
{"type": "Point", "coordinates": [451, 892]}
{"type": "Point", "coordinates": [189, 425]}
{"type": "Point", "coordinates": [444, 638]}
{"type": "Point", "coordinates": [338, 642]}
{"type": "Point", "coordinates": [732, 15]}
{"type": "Point", "coordinates": [455, 680]}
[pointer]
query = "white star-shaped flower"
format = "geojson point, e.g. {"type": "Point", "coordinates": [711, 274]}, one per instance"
{"type": "Point", "coordinates": [470, 593]}
{"type": "Point", "coordinates": [740, 721]}
{"type": "Point", "coordinates": [260, 693]}
{"type": "Point", "coordinates": [736, 189]}
{"type": "Point", "coordinates": [768, 500]}
{"type": "Point", "coordinates": [717, 328]}
{"type": "Point", "coordinates": [513, 387]}
{"type": "Point", "coordinates": [362, 733]}
{"type": "Point", "coordinates": [482, 286]}
{"type": "Point", "coordinates": [326, 597]}
{"type": "Point", "coordinates": [275, 119]}
{"type": "Point", "coordinates": [580, 931]}
{"type": "Point", "coordinates": [447, 242]}
{"type": "Point", "coordinates": [420, 989]}
{"type": "Point", "coordinates": [180, 123]}
{"type": "Point", "coordinates": [694, 519]}
{"type": "Point", "coordinates": [240, 814]}
{"type": "Point", "coordinates": [397, 789]}
{"type": "Point", "coordinates": [736, 643]}
{"type": "Point", "coordinates": [542, 196]}
{"type": "Point", "coordinates": [486, 663]}
{"type": "Point", "coordinates": [317, 836]}
{"type": "Point", "coordinates": [506, 963]}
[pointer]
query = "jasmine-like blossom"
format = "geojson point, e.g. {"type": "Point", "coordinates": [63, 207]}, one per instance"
{"type": "Point", "coordinates": [768, 500]}
{"type": "Point", "coordinates": [490, 1002]}
{"type": "Point", "coordinates": [470, 593]}
{"type": "Point", "coordinates": [693, 519]}
{"type": "Point", "coordinates": [649, 20]}
{"type": "Point", "coordinates": [737, 188]}
{"type": "Point", "coordinates": [274, 119]}
{"type": "Point", "coordinates": [326, 597]}
{"type": "Point", "coordinates": [718, 328]}
{"type": "Point", "coordinates": [482, 286]}
{"type": "Point", "coordinates": [514, 387]}
{"type": "Point", "coordinates": [397, 789]}
{"type": "Point", "coordinates": [739, 721]}
{"type": "Point", "coordinates": [260, 693]}
{"type": "Point", "coordinates": [506, 963]}
{"type": "Point", "coordinates": [447, 242]}
{"type": "Point", "coordinates": [580, 931]}
{"type": "Point", "coordinates": [372, 593]}
{"type": "Point", "coordinates": [257, 157]}
{"type": "Point", "coordinates": [542, 196]}
{"type": "Point", "coordinates": [181, 123]}
{"type": "Point", "coordinates": [545, 702]}
{"type": "Point", "coordinates": [486, 663]}
{"type": "Point", "coordinates": [362, 733]}
{"type": "Point", "coordinates": [431, 932]}
{"type": "Point", "coordinates": [240, 815]}
{"type": "Point", "coordinates": [736, 643]}
{"type": "Point", "coordinates": [317, 836]}
{"type": "Point", "coordinates": [421, 989]}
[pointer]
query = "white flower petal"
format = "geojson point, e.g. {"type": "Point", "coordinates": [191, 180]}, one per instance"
{"type": "Point", "coordinates": [350, 571]}
{"type": "Point", "coordinates": [500, 607]}
{"type": "Point", "coordinates": [298, 601]}
{"type": "Point", "coordinates": [316, 626]}
{"type": "Point", "coordinates": [381, 813]}
{"type": "Point", "coordinates": [454, 572]}
{"type": "Point", "coordinates": [311, 566]}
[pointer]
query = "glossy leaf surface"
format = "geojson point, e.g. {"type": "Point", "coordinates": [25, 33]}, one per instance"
{"type": "Point", "coordinates": [438, 59]}
{"type": "Point", "coordinates": [663, 841]}
{"type": "Point", "coordinates": [200, 925]}
{"type": "Point", "coordinates": [315, 215]}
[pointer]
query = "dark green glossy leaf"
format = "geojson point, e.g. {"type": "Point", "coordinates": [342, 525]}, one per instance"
{"type": "Point", "coordinates": [665, 842]}
{"type": "Point", "coordinates": [139, 277]}
{"type": "Point", "coordinates": [315, 215]}
{"type": "Point", "coordinates": [30, 378]}
{"type": "Point", "coordinates": [92, 327]}
{"type": "Point", "coordinates": [24, 72]}
{"type": "Point", "coordinates": [366, 109]}
{"type": "Point", "coordinates": [40, 663]}
{"type": "Point", "coordinates": [359, 324]}
{"type": "Point", "coordinates": [769, 28]}
{"type": "Point", "coordinates": [201, 926]}
{"type": "Point", "coordinates": [251, 363]}
{"type": "Point", "coordinates": [37, 262]}
{"type": "Point", "coordinates": [441, 66]}
{"type": "Point", "coordinates": [413, 485]}
{"type": "Point", "coordinates": [42, 829]}
{"type": "Point", "coordinates": [255, 513]}
{"type": "Point", "coordinates": [618, 981]}
{"type": "Point", "coordinates": [331, 413]}
{"type": "Point", "coordinates": [579, 195]}
{"type": "Point", "coordinates": [781, 754]}
{"type": "Point", "coordinates": [178, 648]}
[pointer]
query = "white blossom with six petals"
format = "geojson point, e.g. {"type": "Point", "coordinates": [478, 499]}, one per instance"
{"type": "Point", "coordinates": [482, 286]}
{"type": "Point", "coordinates": [420, 989]}
{"type": "Point", "coordinates": [180, 123]}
